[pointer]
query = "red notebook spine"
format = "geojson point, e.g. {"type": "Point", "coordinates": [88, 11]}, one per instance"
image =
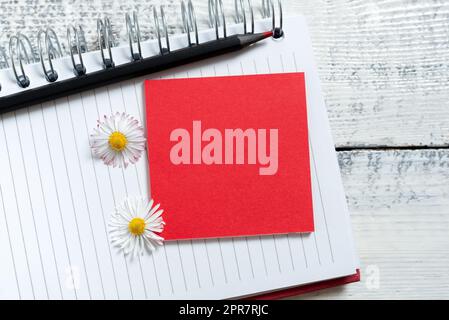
{"type": "Point", "coordinates": [308, 288]}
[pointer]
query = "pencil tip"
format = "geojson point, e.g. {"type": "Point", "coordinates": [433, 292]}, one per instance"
{"type": "Point", "coordinates": [250, 38]}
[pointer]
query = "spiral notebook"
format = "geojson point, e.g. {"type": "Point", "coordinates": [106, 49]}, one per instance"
{"type": "Point", "coordinates": [55, 198]}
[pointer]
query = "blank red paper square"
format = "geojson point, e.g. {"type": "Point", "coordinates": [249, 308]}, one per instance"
{"type": "Point", "coordinates": [229, 156]}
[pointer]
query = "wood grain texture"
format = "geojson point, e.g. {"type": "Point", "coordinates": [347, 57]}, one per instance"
{"type": "Point", "coordinates": [384, 67]}
{"type": "Point", "coordinates": [384, 64]}
{"type": "Point", "coordinates": [399, 204]}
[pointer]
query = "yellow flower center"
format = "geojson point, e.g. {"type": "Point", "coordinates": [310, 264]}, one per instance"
{"type": "Point", "coordinates": [136, 226]}
{"type": "Point", "coordinates": [117, 141]}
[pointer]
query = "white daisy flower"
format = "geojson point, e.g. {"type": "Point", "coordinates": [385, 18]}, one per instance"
{"type": "Point", "coordinates": [134, 226]}
{"type": "Point", "coordinates": [119, 140]}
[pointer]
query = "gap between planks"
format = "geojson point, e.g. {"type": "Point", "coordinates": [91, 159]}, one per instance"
{"type": "Point", "coordinates": [390, 148]}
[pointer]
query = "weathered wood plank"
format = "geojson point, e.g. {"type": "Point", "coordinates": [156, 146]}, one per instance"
{"type": "Point", "coordinates": [384, 67]}
{"type": "Point", "coordinates": [384, 64]}
{"type": "Point", "coordinates": [399, 204]}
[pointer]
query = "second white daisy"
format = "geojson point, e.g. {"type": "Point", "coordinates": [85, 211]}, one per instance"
{"type": "Point", "coordinates": [119, 140]}
{"type": "Point", "coordinates": [135, 225]}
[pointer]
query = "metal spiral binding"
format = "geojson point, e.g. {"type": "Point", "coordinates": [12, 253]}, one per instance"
{"type": "Point", "coordinates": [52, 49]}
{"type": "Point", "coordinates": [18, 49]}
{"type": "Point", "coordinates": [162, 50]}
{"type": "Point", "coordinates": [240, 14]}
{"type": "Point", "coordinates": [104, 33]}
{"type": "Point", "coordinates": [268, 11]}
{"type": "Point", "coordinates": [76, 47]}
{"type": "Point", "coordinates": [189, 21]}
{"type": "Point", "coordinates": [22, 52]}
{"type": "Point", "coordinates": [216, 12]}
{"type": "Point", "coordinates": [133, 31]}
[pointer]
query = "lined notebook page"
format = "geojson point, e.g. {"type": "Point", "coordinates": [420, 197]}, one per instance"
{"type": "Point", "coordinates": [55, 198]}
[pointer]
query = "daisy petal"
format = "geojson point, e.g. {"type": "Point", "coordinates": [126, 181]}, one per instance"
{"type": "Point", "coordinates": [124, 235]}
{"type": "Point", "coordinates": [134, 142]}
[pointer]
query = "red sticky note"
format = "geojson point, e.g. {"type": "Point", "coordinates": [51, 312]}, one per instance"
{"type": "Point", "coordinates": [229, 156]}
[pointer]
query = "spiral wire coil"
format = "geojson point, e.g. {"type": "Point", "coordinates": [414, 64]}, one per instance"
{"type": "Point", "coordinates": [20, 48]}
{"type": "Point", "coordinates": [75, 47]}
{"type": "Point", "coordinates": [189, 21]}
{"type": "Point", "coordinates": [22, 52]}
{"type": "Point", "coordinates": [50, 49]}
{"type": "Point", "coordinates": [240, 14]}
{"type": "Point", "coordinates": [133, 31]}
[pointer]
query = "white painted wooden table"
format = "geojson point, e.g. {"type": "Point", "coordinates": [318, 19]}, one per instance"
{"type": "Point", "coordinates": [385, 72]}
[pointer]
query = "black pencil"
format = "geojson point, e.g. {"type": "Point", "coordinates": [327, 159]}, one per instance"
{"type": "Point", "coordinates": [128, 71]}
